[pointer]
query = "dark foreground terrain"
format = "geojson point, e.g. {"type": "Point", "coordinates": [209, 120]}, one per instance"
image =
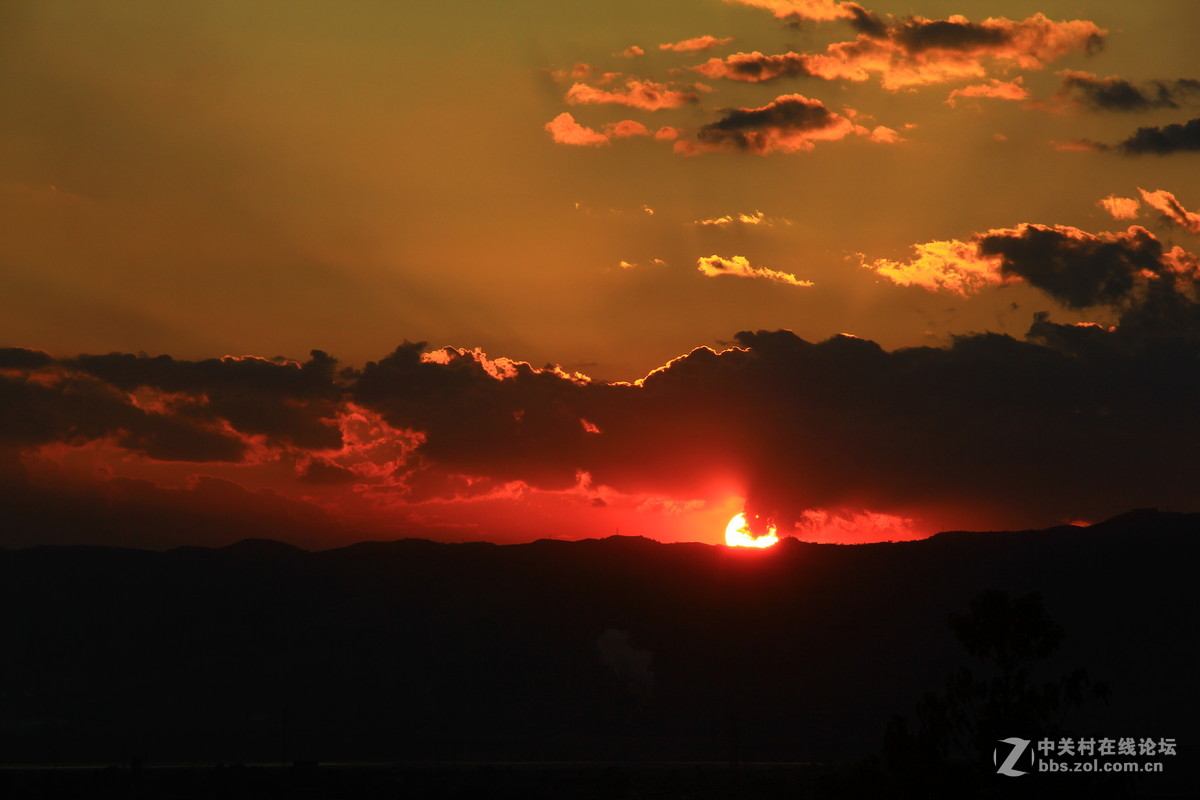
{"type": "Point", "coordinates": [612, 668]}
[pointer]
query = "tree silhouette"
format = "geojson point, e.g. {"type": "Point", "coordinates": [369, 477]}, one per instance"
{"type": "Point", "coordinates": [950, 752]}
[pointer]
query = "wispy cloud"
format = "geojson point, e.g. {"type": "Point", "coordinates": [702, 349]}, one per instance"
{"type": "Point", "coordinates": [729, 220]}
{"type": "Point", "coordinates": [739, 266]}
{"type": "Point", "coordinates": [696, 44]}
{"type": "Point", "coordinates": [993, 88]}
{"type": "Point", "coordinates": [646, 95]}
{"type": "Point", "coordinates": [818, 10]}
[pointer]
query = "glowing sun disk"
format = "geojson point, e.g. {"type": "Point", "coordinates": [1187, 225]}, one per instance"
{"type": "Point", "coordinates": [738, 534]}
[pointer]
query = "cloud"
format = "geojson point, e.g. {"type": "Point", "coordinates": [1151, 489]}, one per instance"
{"type": "Point", "coordinates": [787, 124]}
{"type": "Point", "coordinates": [921, 51]}
{"type": "Point", "coordinates": [1172, 210]}
{"type": "Point", "coordinates": [1076, 268]}
{"type": "Point", "coordinates": [715, 266]}
{"type": "Point", "coordinates": [1164, 140]}
{"type": "Point", "coordinates": [840, 426]}
{"type": "Point", "coordinates": [23, 358]}
{"type": "Point", "coordinates": [286, 403]}
{"type": "Point", "coordinates": [633, 51]}
{"type": "Point", "coordinates": [730, 220]}
{"type": "Point", "coordinates": [1119, 207]}
{"type": "Point", "coordinates": [576, 72]}
{"type": "Point", "coordinates": [696, 44]}
{"type": "Point", "coordinates": [817, 10]}
{"type": "Point", "coordinates": [625, 129]}
{"type": "Point", "coordinates": [646, 95]}
{"type": "Point", "coordinates": [1071, 422]}
{"type": "Point", "coordinates": [994, 88]}
{"type": "Point", "coordinates": [324, 472]}
{"type": "Point", "coordinates": [881, 134]}
{"type": "Point", "coordinates": [217, 410]}
{"type": "Point", "coordinates": [951, 266]}
{"type": "Point", "coordinates": [1117, 94]}
{"type": "Point", "coordinates": [565, 130]}
{"type": "Point", "coordinates": [756, 68]}
{"type": "Point", "coordinates": [1081, 146]}
{"type": "Point", "coordinates": [845, 526]}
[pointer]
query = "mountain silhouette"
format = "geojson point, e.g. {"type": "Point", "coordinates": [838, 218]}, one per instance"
{"type": "Point", "coordinates": [615, 649]}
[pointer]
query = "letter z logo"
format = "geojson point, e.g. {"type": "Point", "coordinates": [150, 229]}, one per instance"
{"type": "Point", "coordinates": [1018, 748]}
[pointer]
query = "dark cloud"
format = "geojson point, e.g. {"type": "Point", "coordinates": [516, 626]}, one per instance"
{"type": "Point", "coordinates": [1071, 422]}
{"type": "Point", "coordinates": [322, 472]}
{"type": "Point", "coordinates": [528, 424]}
{"type": "Point", "coordinates": [790, 122]}
{"type": "Point", "coordinates": [288, 403]}
{"type": "Point", "coordinates": [1117, 94]}
{"type": "Point", "coordinates": [21, 358]}
{"type": "Point", "coordinates": [920, 35]}
{"type": "Point", "coordinates": [1077, 268]}
{"type": "Point", "coordinates": [1164, 140]}
{"type": "Point", "coordinates": [76, 409]}
{"type": "Point", "coordinates": [867, 22]}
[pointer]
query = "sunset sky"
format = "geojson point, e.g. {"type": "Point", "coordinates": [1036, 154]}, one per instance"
{"type": "Point", "coordinates": [327, 272]}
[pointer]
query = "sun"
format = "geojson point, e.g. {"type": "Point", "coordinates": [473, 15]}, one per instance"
{"type": "Point", "coordinates": [738, 534]}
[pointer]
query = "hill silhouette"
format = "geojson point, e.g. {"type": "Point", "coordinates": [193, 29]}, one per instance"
{"type": "Point", "coordinates": [615, 649]}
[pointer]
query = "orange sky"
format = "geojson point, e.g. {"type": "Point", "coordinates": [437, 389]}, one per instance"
{"type": "Point", "coordinates": [605, 188]}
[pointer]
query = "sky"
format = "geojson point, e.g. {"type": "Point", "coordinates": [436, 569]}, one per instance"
{"type": "Point", "coordinates": [505, 271]}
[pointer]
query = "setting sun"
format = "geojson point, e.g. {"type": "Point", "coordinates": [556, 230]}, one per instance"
{"type": "Point", "coordinates": [738, 534]}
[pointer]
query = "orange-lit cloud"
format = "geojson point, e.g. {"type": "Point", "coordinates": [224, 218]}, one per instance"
{"type": "Point", "coordinates": [920, 52]}
{"type": "Point", "coordinates": [565, 130]}
{"type": "Point", "coordinates": [666, 134]}
{"type": "Point", "coordinates": [951, 266]}
{"type": "Point", "coordinates": [820, 10]}
{"type": "Point", "coordinates": [845, 526]}
{"type": "Point", "coordinates": [757, 218]}
{"type": "Point", "coordinates": [633, 51]}
{"type": "Point", "coordinates": [881, 134]}
{"type": "Point", "coordinates": [739, 266]}
{"type": "Point", "coordinates": [576, 72]}
{"type": "Point", "coordinates": [755, 67]}
{"type": "Point", "coordinates": [626, 128]}
{"type": "Point", "coordinates": [1120, 207]}
{"type": "Point", "coordinates": [696, 44]}
{"type": "Point", "coordinates": [646, 95]}
{"type": "Point", "coordinates": [994, 88]}
{"type": "Point", "coordinates": [1075, 267]}
{"type": "Point", "coordinates": [1080, 145]}
{"type": "Point", "coordinates": [1172, 210]}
